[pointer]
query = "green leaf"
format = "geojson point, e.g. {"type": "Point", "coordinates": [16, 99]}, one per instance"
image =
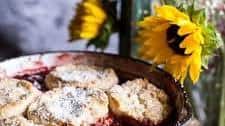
{"type": "Point", "coordinates": [169, 2]}
{"type": "Point", "coordinates": [199, 16]}
{"type": "Point", "coordinates": [205, 62]}
{"type": "Point", "coordinates": [212, 41]}
{"type": "Point", "coordinates": [190, 9]}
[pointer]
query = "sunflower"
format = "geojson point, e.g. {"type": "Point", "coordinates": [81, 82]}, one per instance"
{"type": "Point", "coordinates": [88, 21]}
{"type": "Point", "coordinates": [171, 39]}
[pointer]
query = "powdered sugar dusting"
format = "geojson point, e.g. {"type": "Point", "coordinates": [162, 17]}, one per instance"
{"type": "Point", "coordinates": [79, 73]}
{"type": "Point", "coordinates": [70, 104]}
{"type": "Point", "coordinates": [10, 122]}
{"type": "Point", "coordinates": [79, 76]}
{"type": "Point", "coordinates": [11, 92]}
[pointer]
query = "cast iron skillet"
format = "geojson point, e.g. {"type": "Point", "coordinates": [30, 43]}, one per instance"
{"type": "Point", "coordinates": [126, 69]}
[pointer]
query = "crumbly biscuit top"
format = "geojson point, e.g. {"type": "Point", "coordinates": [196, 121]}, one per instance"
{"type": "Point", "coordinates": [12, 90]}
{"type": "Point", "coordinates": [140, 100]}
{"type": "Point", "coordinates": [17, 121]}
{"type": "Point", "coordinates": [71, 105]}
{"type": "Point", "coordinates": [10, 122]}
{"type": "Point", "coordinates": [80, 73]}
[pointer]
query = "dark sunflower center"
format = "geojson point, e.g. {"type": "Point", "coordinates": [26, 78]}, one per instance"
{"type": "Point", "coordinates": [174, 39]}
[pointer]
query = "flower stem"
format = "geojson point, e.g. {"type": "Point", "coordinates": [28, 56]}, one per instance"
{"type": "Point", "coordinates": [222, 101]}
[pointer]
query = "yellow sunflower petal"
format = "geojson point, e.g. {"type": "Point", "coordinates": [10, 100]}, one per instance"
{"type": "Point", "coordinates": [95, 10]}
{"type": "Point", "coordinates": [151, 46]}
{"type": "Point", "coordinates": [171, 13]}
{"type": "Point", "coordinates": [187, 29]}
{"type": "Point", "coordinates": [190, 44]}
{"type": "Point", "coordinates": [91, 31]}
{"type": "Point", "coordinates": [198, 36]}
{"type": "Point", "coordinates": [91, 19]}
{"type": "Point", "coordinates": [151, 21]}
{"type": "Point", "coordinates": [87, 35]}
{"type": "Point", "coordinates": [183, 73]}
{"type": "Point", "coordinates": [90, 26]}
{"type": "Point", "coordinates": [195, 66]}
{"type": "Point", "coordinates": [161, 27]}
{"type": "Point", "coordinates": [96, 2]}
{"type": "Point", "coordinates": [173, 70]}
{"type": "Point", "coordinates": [179, 63]}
